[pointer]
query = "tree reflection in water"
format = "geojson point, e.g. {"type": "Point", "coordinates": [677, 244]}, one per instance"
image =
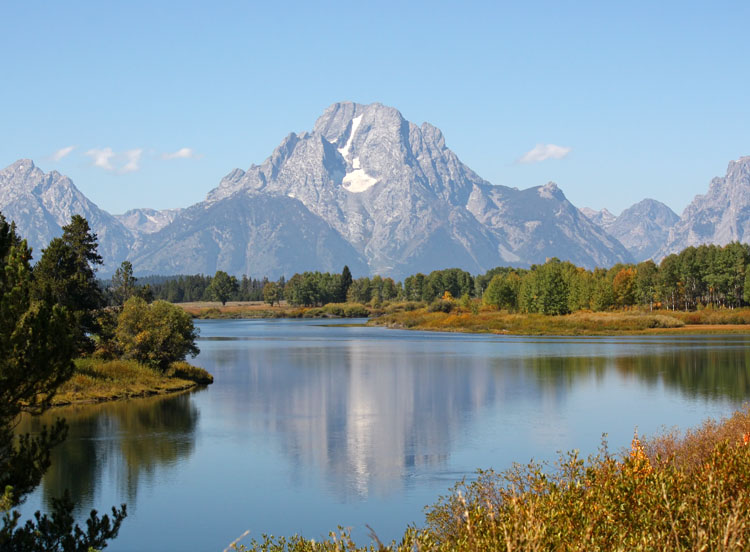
{"type": "Point", "coordinates": [707, 373]}
{"type": "Point", "coordinates": [124, 441]}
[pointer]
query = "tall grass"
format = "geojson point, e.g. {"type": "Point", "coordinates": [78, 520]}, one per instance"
{"type": "Point", "coordinates": [96, 380]}
{"type": "Point", "coordinates": [493, 321]}
{"type": "Point", "coordinates": [672, 492]}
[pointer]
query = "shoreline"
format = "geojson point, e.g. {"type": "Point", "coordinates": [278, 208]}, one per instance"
{"type": "Point", "coordinates": [96, 381]}
{"type": "Point", "coordinates": [90, 400]}
{"type": "Point", "coordinates": [489, 321]}
{"type": "Point", "coordinates": [691, 329]}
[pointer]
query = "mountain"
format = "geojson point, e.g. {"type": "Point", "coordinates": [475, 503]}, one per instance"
{"type": "Point", "coordinates": [602, 218]}
{"type": "Point", "coordinates": [41, 204]}
{"type": "Point", "coordinates": [644, 228]}
{"type": "Point", "coordinates": [720, 216]}
{"type": "Point", "coordinates": [246, 233]}
{"type": "Point", "coordinates": [397, 195]}
{"type": "Point", "coordinates": [147, 221]}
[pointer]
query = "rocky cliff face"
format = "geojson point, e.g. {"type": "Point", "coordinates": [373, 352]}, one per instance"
{"type": "Point", "coordinates": [40, 204]}
{"type": "Point", "coordinates": [147, 221]}
{"type": "Point", "coordinates": [602, 218]}
{"type": "Point", "coordinates": [246, 233]}
{"type": "Point", "coordinates": [642, 228]}
{"type": "Point", "coordinates": [719, 217]}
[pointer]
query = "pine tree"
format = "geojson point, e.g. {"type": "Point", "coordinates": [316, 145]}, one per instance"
{"type": "Point", "coordinates": [36, 351]}
{"type": "Point", "coordinates": [66, 275]}
{"type": "Point", "coordinates": [346, 282]}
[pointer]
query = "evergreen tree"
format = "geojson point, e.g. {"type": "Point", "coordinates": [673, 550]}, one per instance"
{"type": "Point", "coordinates": [66, 275]}
{"type": "Point", "coordinates": [346, 282]}
{"type": "Point", "coordinates": [123, 283]}
{"type": "Point", "coordinates": [36, 350]}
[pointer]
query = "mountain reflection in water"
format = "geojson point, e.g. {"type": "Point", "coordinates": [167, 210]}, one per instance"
{"type": "Point", "coordinates": [307, 427]}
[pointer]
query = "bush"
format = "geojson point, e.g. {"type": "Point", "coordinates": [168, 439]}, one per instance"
{"type": "Point", "coordinates": [440, 305]}
{"type": "Point", "coordinates": [155, 334]}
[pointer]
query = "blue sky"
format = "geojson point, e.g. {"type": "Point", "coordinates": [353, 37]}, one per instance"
{"type": "Point", "coordinates": [159, 100]}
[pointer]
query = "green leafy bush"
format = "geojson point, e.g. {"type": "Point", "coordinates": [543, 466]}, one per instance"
{"type": "Point", "coordinates": [155, 334]}
{"type": "Point", "coordinates": [440, 305]}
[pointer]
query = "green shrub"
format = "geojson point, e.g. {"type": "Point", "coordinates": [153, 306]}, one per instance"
{"type": "Point", "coordinates": [440, 305]}
{"type": "Point", "coordinates": [155, 334]}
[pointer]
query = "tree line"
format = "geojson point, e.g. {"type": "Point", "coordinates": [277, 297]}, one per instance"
{"type": "Point", "coordinates": [702, 276]}
{"type": "Point", "coordinates": [185, 288]}
{"type": "Point", "coordinates": [706, 275]}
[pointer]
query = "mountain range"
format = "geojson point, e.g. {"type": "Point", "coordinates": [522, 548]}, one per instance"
{"type": "Point", "coordinates": [371, 190]}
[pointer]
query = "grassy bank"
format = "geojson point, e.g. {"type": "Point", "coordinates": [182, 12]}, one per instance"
{"type": "Point", "coordinates": [580, 323]}
{"type": "Point", "coordinates": [96, 380]}
{"type": "Point", "coordinates": [255, 310]}
{"type": "Point", "coordinates": [673, 492]}
{"type": "Point", "coordinates": [421, 316]}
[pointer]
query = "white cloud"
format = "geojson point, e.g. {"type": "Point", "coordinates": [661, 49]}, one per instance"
{"type": "Point", "coordinates": [122, 162]}
{"type": "Point", "coordinates": [62, 152]}
{"type": "Point", "coordinates": [102, 158]}
{"type": "Point", "coordinates": [542, 152]}
{"type": "Point", "coordinates": [182, 153]}
{"type": "Point", "coordinates": [133, 160]}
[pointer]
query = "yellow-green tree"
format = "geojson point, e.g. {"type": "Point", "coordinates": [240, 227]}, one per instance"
{"type": "Point", "coordinates": [156, 334]}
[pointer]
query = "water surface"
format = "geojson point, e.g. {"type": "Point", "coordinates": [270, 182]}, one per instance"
{"type": "Point", "coordinates": [309, 426]}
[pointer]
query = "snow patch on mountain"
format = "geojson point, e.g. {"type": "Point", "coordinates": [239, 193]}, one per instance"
{"type": "Point", "coordinates": [345, 150]}
{"type": "Point", "coordinates": [358, 181]}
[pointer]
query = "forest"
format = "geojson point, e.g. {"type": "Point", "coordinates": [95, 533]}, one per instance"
{"type": "Point", "coordinates": [702, 276]}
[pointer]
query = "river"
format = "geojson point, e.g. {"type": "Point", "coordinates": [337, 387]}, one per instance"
{"type": "Point", "coordinates": [310, 425]}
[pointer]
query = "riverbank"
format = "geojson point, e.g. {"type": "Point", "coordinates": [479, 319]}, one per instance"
{"type": "Point", "coordinates": [250, 310]}
{"type": "Point", "coordinates": [420, 316]}
{"type": "Point", "coordinates": [97, 381]}
{"type": "Point", "coordinates": [672, 492]}
{"type": "Point", "coordinates": [579, 323]}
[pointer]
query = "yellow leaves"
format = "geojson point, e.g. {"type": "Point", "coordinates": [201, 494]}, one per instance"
{"type": "Point", "coordinates": [640, 462]}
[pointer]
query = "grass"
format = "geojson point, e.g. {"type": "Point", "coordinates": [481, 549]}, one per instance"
{"type": "Point", "coordinates": [671, 492]}
{"type": "Point", "coordinates": [421, 316]}
{"type": "Point", "coordinates": [487, 320]}
{"type": "Point", "coordinates": [492, 321]}
{"type": "Point", "coordinates": [97, 380]}
{"type": "Point", "coordinates": [255, 310]}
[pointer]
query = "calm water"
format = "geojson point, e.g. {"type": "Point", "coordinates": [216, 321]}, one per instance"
{"type": "Point", "coordinates": [311, 426]}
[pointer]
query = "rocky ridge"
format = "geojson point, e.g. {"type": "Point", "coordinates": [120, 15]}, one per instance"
{"type": "Point", "coordinates": [41, 204]}
{"type": "Point", "coordinates": [720, 216]}
{"type": "Point", "coordinates": [642, 228]}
